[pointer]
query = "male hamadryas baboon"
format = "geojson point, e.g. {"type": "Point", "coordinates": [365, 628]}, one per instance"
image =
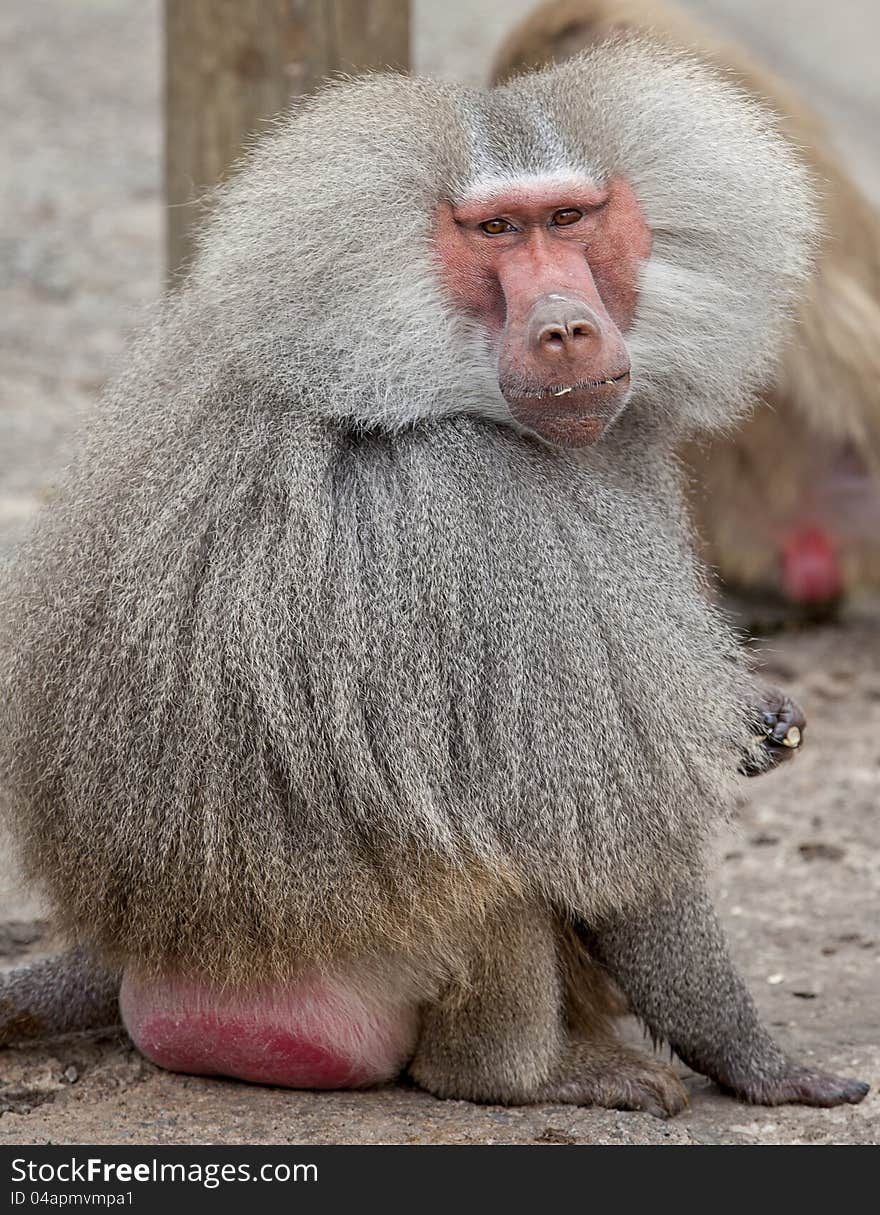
{"type": "Point", "coordinates": [364, 708]}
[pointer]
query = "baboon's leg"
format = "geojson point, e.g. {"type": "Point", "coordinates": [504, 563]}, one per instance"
{"type": "Point", "coordinates": [503, 1035]}
{"type": "Point", "coordinates": [672, 964]}
{"type": "Point", "coordinates": [57, 996]}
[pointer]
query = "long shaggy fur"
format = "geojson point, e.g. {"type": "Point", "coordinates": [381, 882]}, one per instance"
{"type": "Point", "coordinates": [311, 658]}
{"type": "Point", "coordinates": [823, 399]}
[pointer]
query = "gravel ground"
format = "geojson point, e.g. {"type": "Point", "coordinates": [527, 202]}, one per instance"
{"type": "Point", "coordinates": [797, 880]}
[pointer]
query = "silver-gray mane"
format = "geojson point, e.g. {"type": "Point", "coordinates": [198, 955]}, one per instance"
{"type": "Point", "coordinates": [309, 634]}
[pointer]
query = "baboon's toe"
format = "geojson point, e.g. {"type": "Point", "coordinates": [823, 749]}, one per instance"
{"type": "Point", "coordinates": [803, 1086]}
{"type": "Point", "coordinates": [617, 1078]}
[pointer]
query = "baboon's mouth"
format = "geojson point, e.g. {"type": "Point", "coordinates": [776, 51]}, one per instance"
{"type": "Point", "coordinates": [570, 415]}
{"type": "Point", "coordinates": [562, 390]}
{"type": "Point", "coordinates": [527, 392]}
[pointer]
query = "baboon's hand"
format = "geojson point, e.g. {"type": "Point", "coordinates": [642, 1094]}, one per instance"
{"type": "Point", "coordinates": [779, 723]}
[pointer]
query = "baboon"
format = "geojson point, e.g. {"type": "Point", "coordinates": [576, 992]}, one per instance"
{"type": "Point", "coordinates": [365, 710]}
{"type": "Point", "coordinates": [788, 505]}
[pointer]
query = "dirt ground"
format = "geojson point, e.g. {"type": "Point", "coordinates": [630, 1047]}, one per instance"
{"type": "Point", "coordinates": [797, 875]}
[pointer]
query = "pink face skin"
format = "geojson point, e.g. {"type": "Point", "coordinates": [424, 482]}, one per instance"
{"type": "Point", "coordinates": [551, 270]}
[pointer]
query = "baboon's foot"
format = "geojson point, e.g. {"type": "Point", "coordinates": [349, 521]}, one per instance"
{"type": "Point", "coordinates": [316, 1031]}
{"type": "Point", "coordinates": [615, 1077]}
{"type": "Point", "coordinates": [802, 1086]}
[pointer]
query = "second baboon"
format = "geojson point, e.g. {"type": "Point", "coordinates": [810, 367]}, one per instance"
{"type": "Point", "coordinates": [789, 504]}
{"type": "Point", "coordinates": [363, 706]}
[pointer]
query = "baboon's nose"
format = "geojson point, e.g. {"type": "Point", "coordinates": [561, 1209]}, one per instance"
{"type": "Point", "coordinates": [560, 326]}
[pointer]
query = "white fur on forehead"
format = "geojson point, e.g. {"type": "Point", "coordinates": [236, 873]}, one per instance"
{"type": "Point", "coordinates": [492, 184]}
{"type": "Point", "coordinates": [729, 204]}
{"type": "Point", "coordinates": [321, 278]}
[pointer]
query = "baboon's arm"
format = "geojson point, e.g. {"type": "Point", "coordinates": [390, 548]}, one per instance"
{"type": "Point", "coordinates": [57, 996]}
{"type": "Point", "coordinates": [673, 965]}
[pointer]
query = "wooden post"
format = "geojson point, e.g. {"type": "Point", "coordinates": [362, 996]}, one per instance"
{"type": "Point", "coordinates": [231, 64]}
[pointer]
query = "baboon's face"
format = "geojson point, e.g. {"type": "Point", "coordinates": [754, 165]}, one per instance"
{"type": "Point", "coordinates": [549, 267]}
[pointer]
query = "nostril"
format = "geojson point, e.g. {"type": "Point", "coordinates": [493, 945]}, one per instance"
{"type": "Point", "coordinates": [553, 333]}
{"type": "Point", "coordinates": [559, 326]}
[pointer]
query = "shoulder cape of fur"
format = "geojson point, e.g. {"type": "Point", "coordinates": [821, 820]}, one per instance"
{"type": "Point", "coordinates": [311, 656]}
{"type": "Point", "coordinates": [287, 692]}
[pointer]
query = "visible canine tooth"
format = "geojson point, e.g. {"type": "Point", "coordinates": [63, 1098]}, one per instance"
{"type": "Point", "coordinates": [792, 738]}
{"type": "Point", "coordinates": [607, 381]}
{"type": "Point", "coordinates": [560, 392]}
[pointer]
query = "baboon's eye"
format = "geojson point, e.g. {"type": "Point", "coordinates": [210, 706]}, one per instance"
{"type": "Point", "coordinates": [566, 216]}
{"type": "Point", "coordinates": [494, 227]}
